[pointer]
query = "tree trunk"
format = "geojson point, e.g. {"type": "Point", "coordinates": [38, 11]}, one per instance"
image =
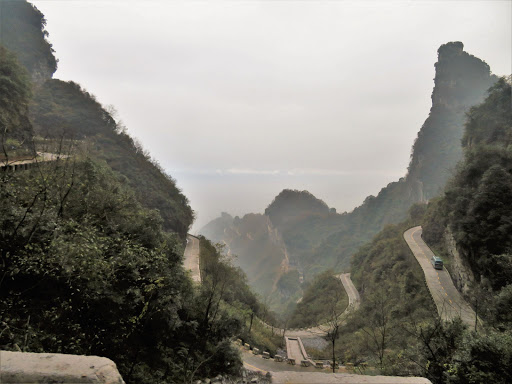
{"type": "Point", "coordinates": [250, 325]}
{"type": "Point", "coordinates": [333, 357]}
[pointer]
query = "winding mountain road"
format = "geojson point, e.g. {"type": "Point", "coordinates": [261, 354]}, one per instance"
{"type": "Point", "coordinates": [322, 329]}
{"type": "Point", "coordinates": [285, 373]}
{"type": "Point", "coordinates": [449, 302]}
{"type": "Point", "coordinates": [41, 157]}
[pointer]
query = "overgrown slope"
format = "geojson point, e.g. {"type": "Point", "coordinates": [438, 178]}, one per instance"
{"type": "Point", "coordinates": [476, 208]}
{"type": "Point", "coordinates": [397, 327]}
{"type": "Point", "coordinates": [91, 244]}
{"type": "Point", "coordinates": [64, 111]}
{"type": "Point", "coordinates": [23, 33]}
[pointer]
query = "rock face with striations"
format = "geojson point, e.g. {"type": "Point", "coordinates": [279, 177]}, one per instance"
{"type": "Point", "coordinates": [461, 81]}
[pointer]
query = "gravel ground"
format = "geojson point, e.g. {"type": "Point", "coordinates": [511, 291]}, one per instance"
{"type": "Point", "coordinates": [314, 342]}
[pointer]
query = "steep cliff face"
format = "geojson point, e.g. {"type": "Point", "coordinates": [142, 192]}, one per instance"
{"type": "Point", "coordinates": [476, 207]}
{"type": "Point", "coordinates": [61, 112]}
{"type": "Point", "coordinates": [22, 31]}
{"type": "Point", "coordinates": [317, 238]}
{"type": "Point", "coordinates": [255, 245]}
{"type": "Point", "coordinates": [460, 272]}
{"type": "Point", "coordinates": [461, 81]}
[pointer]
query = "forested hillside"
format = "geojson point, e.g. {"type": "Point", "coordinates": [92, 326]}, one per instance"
{"type": "Point", "coordinates": [322, 297]}
{"type": "Point", "coordinates": [476, 208]}
{"type": "Point", "coordinates": [23, 33]}
{"type": "Point", "coordinates": [256, 246]}
{"type": "Point", "coordinates": [66, 118]}
{"type": "Point", "coordinates": [15, 94]}
{"type": "Point", "coordinates": [63, 111]}
{"type": "Point", "coordinates": [395, 327]}
{"type": "Point", "coordinates": [317, 238]}
{"type": "Point", "coordinates": [92, 243]}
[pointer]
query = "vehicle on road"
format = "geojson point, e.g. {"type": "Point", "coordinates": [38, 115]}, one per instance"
{"type": "Point", "coordinates": [437, 262]}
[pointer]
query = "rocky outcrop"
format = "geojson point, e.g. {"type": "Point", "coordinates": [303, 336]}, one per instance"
{"type": "Point", "coordinates": [24, 367]}
{"type": "Point", "coordinates": [255, 245]}
{"type": "Point", "coordinates": [460, 272]}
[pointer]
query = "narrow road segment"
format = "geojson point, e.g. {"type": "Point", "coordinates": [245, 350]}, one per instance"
{"type": "Point", "coordinates": [191, 258]}
{"type": "Point", "coordinates": [449, 302]}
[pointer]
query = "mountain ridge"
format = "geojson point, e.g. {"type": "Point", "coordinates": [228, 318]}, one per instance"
{"type": "Point", "coordinates": [320, 241]}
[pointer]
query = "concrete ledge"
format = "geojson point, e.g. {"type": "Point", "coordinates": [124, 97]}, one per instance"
{"type": "Point", "coordinates": [24, 367]}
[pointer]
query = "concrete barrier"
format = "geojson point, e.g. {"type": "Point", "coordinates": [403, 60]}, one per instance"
{"type": "Point", "coordinates": [238, 341]}
{"type": "Point", "coordinates": [266, 355]}
{"type": "Point", "coordinates": [255, 351]}
{"type": "Point", "coordinates": [304, 363]}
{"type": "Point", "coordinates": [319, 364]}
{"type": "Point", "coordinates": [247, 346]}
{"type": "Point", "coordinates": [278, 358]}
{"type": "Point", "coordinates": [24, 367]}
{"type": "Point", "coordinates": [291, 361]}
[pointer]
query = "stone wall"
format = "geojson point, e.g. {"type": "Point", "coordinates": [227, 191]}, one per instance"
{"type": "Point", "coordinates": [460, 272]}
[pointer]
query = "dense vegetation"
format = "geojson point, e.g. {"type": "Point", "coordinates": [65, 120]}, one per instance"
{"type": "Point", "coordinates": [477, 204]}
{"type": "Point", "coordinates": [395, 328]}
{"type": "Point", "coordinates": [393, 295]}
{"type": "Point", "coordinates": [64, 111]}
{"type": "Point", "coordinates": [226, 295]}
{"type": "Point", "coordinates": [87, 269]}
{"type": "Point", "coordinates": [23, 33]}
{"type": "Point", "coordinates": [15, 128]}
{"type": "Point", "coordinates": [92, 244]}
{"type": "Point", "coordinates": [323, 293]}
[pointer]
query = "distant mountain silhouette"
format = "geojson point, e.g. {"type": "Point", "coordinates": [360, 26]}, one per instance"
{"type": "Point", "coordinates": [317, 238]}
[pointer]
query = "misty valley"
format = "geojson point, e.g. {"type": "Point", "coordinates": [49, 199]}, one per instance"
{"type": "Point", "coordinates": [103, 280]}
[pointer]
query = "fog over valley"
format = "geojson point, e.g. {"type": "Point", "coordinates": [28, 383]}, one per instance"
{"type": "Point", "coordinates": [238, 100]}
{"type": "Point", "coordinates": [232, 192]}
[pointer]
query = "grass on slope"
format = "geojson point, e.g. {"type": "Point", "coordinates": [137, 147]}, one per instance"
{"type": "Point", "coordinates": [323, 294]}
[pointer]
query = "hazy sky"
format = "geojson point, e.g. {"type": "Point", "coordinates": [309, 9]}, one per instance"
{"type": "Point", "coordinates": [240, 99]}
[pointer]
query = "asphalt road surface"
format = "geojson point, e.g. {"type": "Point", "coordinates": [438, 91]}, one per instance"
{"type": "Point", "coordinates": [293, 350]}
{"type": "Point", "coordinates": [295, 374]}
{"type": "Point", "coordinates": [191, 258]}
{"type": "Point", "coordinates": [449, 302]}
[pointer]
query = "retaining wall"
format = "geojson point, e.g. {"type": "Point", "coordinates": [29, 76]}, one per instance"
{"type": "Point", "coordinates": [25, 367]}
